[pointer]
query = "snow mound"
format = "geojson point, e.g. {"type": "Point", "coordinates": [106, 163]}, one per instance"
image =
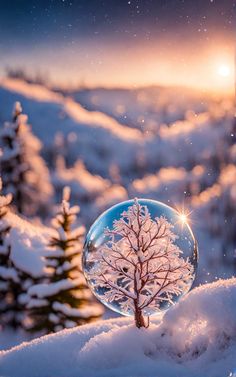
{"type": "Point", "coordinates": [197, 337]}
{"type": "Point", "coordinates": [29, 243]}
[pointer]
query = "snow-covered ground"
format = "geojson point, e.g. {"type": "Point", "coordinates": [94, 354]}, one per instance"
{"type": "Point", "coordinates": [108, 146]}
{"type": "Point", "coordinates": [143, 108]}
{"type": "Point", "coordinates": [187, 156]}
{"type": "Point", "coordinates": [196, 337]}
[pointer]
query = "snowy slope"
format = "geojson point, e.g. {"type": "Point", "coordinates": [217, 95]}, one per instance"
{"type": "Point", "coordinates": [143, 108]}
{"type": "Point", "coordinates": [39, 93]}
{"type": "Point", "coordinates": [96, 138]}
{"type": "Point", "coordinates": [101, 141]}
{"type": "Point", "coordinates": [88, 189]}
{"type": "Point", "coordinates": [197, 337]}
{"type": "Point", "coordinates": [108, 162]}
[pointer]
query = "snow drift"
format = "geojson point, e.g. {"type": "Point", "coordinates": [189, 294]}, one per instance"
{"type": "Point", "coordinates": [197, 337]}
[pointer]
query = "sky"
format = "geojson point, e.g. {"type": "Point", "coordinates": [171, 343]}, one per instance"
{"type": "Point", "coordinates": [121, 43]}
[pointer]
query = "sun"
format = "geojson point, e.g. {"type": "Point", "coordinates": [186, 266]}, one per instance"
{"type": "Point", "coordinates": [183, 218]}
{"type": "Point", "coordinates": [223, 70]}
{"type": "Point", "coordinates": [183, 214]}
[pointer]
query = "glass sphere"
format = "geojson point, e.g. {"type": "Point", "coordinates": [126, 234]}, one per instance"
{"type": "Point", "coordinates": [140, 255]}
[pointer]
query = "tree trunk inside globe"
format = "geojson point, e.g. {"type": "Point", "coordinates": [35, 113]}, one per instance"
{"type": "Point", "coordinates": [139, 318]}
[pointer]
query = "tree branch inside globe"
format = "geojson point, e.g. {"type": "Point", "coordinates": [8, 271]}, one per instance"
{"type": "Point", "coordinates": [140, 266]}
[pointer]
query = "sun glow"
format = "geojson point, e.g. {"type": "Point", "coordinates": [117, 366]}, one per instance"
{"type": "Point", "coordinates": [183, 218]}
{"type": "Point", "coordinates": [224, 70]}
{"type": "Point", "coordinates": [143, 64]}
{"type": "Point", "coordinates": [183, 215]}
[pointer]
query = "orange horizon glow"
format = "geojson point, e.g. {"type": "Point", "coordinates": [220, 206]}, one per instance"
{"type": "Point", "coordinates": [206, 67]}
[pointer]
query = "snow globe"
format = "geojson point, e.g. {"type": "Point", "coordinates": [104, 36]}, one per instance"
{"type": "Point", "coordinates": [140, 257]}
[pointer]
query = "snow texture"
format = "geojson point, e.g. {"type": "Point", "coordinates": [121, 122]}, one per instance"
{"type": "Point", "coordinates": [28, 245]}
{"type": "Point", "coordinates": [196, 337]}
{"type": "Point", "coordinates": [47, 290]}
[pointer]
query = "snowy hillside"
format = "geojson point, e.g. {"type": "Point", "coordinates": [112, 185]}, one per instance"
{"type": "Point", "coordinates": [143, 108]}
{"type": "Point", "coordinates": [117, 189]}
{"type": "Point", "coordinates": [196, 337]}
{"type": "Point", "coordinates": [184, 157]}
{"type": "Point", "coordinates": [101, 142]}
{"type": "Point", "coordinates": [91, 136]}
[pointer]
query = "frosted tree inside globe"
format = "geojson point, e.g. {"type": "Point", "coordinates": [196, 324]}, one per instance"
{"type": "Point", "coordinates": [139, 266]}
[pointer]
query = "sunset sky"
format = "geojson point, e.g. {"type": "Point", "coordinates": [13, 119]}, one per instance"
{"type": "Point", "coordinates": [122, 43]}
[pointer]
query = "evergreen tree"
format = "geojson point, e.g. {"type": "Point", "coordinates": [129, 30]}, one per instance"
{"type": "Point", "coordinates": [14, 282]}
{"type": "Point", "coordinates": [11, 279]}
{"type": "Point", "coordinates": [23, 171]}
{"type": "Point", "coordinates": [64, 300]}
{"type": "Point", "coordinates": [6, 272]}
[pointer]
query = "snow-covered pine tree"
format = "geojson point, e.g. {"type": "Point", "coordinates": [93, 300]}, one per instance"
{"type": "Point", "coordinates": [10, 283]}
{"type": "Point", "coordinates": [24, 172]}
{"type": "Point", "coordinates": [63, 300]}
{"type": "Point", "coordinates": [5, 268]}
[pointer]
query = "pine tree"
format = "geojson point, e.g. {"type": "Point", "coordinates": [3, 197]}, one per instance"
{"type": "Point", "coordinates": [14, 282]}
{"type": "Point", "coordinates": [23, 171]}
{"type": "Point", "coordinates": [5, 267]}
{"type": "Point", "coordinates": [10, 279]}
{"type": "Point", "coordinates": [64, 300]}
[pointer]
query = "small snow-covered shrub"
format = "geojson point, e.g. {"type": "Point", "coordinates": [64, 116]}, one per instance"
{"type": "Point", "coordinates": [62, 299]}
